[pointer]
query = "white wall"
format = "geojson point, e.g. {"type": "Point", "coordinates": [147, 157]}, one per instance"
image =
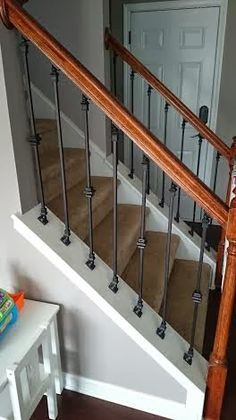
{"type": "Point", "coordinates": [79, 26]}
{"type": "Point", "coordinates": [92, 345]}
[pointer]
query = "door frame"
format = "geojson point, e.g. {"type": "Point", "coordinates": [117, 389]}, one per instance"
{"type": "Point", "coordinates": [175, 5]}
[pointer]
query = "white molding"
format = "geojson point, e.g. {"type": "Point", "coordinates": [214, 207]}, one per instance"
{"type": "Point", "coordinates": [175, 5]}
{"type": "Point", "coordinates": [127, 397]}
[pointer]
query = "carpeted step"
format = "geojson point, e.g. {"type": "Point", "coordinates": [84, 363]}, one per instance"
{"type": "Point", "coordinates": [179, 303]}
{"type": "Point", "coordinates": [77, 204]}
{"type": "Point", "coordinates": [128, 232]}
{"type": "Point", "coordinates": [154, 265]}
{"type": "Point", "coordinates": [51, 170]}
{"type": "Point", "coordinates": [47, 129]}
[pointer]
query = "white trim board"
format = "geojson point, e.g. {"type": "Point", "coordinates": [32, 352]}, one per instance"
{"type": "Point", "coordinates": [70, 261]}
{"type": "Point", "coordinates": [126, 397]}
{"type": "Point", "coordinates": [175, 5]}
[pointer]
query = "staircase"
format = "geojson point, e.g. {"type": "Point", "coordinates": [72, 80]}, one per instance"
{"type": "Point", "coordinates": [115, 231]}
{"type": "Point", "coordinates": [182, 272]}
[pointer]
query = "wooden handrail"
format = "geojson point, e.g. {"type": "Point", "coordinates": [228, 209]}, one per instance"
{"type": "Point", "coordinates": [112, 43]}
{"type": "Point", "coordinates": [133, 128]}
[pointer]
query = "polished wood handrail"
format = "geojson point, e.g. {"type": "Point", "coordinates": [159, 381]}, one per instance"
{"type": "Point", "coordinates": [130, 125]}
{"type": "Point", "coordinates": [112, 43]}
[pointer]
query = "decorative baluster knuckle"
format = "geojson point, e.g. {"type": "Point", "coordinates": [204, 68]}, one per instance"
{"type": "Point", "coordinates": [85, 103]}
{"type": "Point", "coordinates": [188, 356]}
{"type": "Point", "coordinates": [149, 91]}
{"type": "Point", "coordinates": [141, 243]}
{"type": "Point", "coordinates": [35, 140]}
{"type": "Point", "coordinates": [138, 309]}
{"type": "Point", "coordinates": [197, 296]}
{"type": "Point", "coordinates": [161, 331]}
{"type": "Point", "coordinates": [89, 192]}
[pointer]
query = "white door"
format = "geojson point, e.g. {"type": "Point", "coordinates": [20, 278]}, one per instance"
{"type": "Point", "coordinates": [179, 47]}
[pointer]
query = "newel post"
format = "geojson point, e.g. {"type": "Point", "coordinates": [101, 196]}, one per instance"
{"type": "Point", "coordinates": [221, 246]}
{"type": "Point", "coordinates": [218, 365]}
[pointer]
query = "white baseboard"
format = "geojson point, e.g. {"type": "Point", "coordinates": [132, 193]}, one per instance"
{"type": "Point", "coordinates": [126, 397]}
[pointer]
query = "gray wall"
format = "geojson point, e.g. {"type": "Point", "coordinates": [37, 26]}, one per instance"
{"type": "Point", "coordinates": [226, 123]}
{"type": "Point", "coordinates": [79, 26]}
{"type": "Point", "coordinates": [91, 344]}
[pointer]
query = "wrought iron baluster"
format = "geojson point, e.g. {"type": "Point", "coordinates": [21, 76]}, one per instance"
{"type": "Point", "coordinates": [141, 244]}
{"type": "Point", "coordinates": [89, 190]}
{"type": "Point", "coordinates": [115, 137]}
{"type": "Point", "coordinates": [162, 202]}
{"type": "Point", "coordinates": [162, 329]}
{"type": "Point", "coordinates": [197, 294]}
{"type": "Point", "coordinates": [177, 217]}
{"type": "Point", "coordinates": [191, 231]}
{"type": "Point", "coordinates": [35, 137]}
{"type": "Point", "coordinates": [132, 76]}
{"type": "Point", "coordinates": [55, 78]}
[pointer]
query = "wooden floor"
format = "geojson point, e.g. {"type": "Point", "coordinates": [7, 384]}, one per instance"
{"type": "Point", "coordinates": [73, 406]}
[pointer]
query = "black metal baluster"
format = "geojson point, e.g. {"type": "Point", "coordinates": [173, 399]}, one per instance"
{"type": "Point", "coordinates": [191, 231]}
{"type": "Point", "coordinates": [35, 137]}
{"type": "Point", "coordinates": [89, 190]}
{"type": "Point", "coordinates": [197, 294]}
{"type": "Point", "coordinates": [132, 76]}
{"type": "Point", "coordinates": [115, 137]}
{"type": "Point", "coordinates": [55, 78]}
{"type": "Point", "coordinates": [162, 329]}
{"type": "Point", "coordinates": [162, 202]}
{"type": "Point", "coordinates": [177, 217]}
{"type": "Point", "coordinates": [141, 244]}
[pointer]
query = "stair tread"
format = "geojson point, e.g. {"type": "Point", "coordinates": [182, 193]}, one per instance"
{"type": "Point", "coordinates": [77, 204]}
{"type": "Point", "coordinates": [50, 163]}
{"type": "Point", "coordinates": [154, 261]}
{"type": "Point", "coordinates": [179, 301]}
{"type": "Point", "coordinates": [128, 221]}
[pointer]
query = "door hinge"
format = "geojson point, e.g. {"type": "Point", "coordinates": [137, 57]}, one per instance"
{"type": "Point", "coordinates": [129, 37]}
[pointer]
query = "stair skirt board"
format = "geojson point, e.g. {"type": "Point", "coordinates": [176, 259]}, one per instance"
{"type": "Point", "coordinates": [167, 353]}
{"type": "Point", "coordinates": [126, 397]}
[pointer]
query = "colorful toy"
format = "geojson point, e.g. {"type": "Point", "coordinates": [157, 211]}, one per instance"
{"type": "Point", "coordinates": [10, 305]}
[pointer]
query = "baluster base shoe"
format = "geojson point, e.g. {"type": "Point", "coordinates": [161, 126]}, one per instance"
{"type": "Point", "coordinates": [65, 240]}
{"type": "Point", "coordinates": [113, 286]}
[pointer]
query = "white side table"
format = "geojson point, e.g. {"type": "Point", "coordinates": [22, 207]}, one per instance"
{"type": "Point", "coordinates": [30, 364]}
